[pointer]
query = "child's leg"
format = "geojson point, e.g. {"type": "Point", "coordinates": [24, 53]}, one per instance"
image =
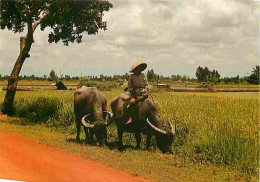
{"type": "Point", "coordinates": [130, 109]}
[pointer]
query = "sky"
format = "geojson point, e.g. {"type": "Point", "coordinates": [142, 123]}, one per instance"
{"type": "Point", "coordinates": [171, 36]}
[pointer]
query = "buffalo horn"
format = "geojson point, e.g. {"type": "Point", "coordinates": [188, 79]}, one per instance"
{"type": "Point", "coordinates": [85, 123]}
{"type": "Point", "coordinates": [172, 129]}
{"type": "Point", "coordinates": [109, 113]}
{"type": "Point", "coordinates": [157, 129]}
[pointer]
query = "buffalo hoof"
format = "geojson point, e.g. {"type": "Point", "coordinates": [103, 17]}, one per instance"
{"type": "Point", "coordinates": [151, 149]}
{"type": "Point", "coordinates": [92, 143]}
{"type": "Point", "coordinates": [168, 152]}
{"type": "Point", "coordinates": [88, 141]}
{"type": "Point", "coordinates": [120, 148]}
{"type": "Point", "coordinates": [137, 147]}
{"type": "Point", "coordinates": [102, 144]}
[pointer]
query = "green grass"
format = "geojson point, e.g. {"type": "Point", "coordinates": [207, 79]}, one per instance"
{"type": "Point", "coordinates": [38, 82]}
{"type": "Point", "coordinates": [219, 85]}
{"type": "Point", "coordinates": [74, 82]}
{"type": "Point", "coordinates": [217, 128]}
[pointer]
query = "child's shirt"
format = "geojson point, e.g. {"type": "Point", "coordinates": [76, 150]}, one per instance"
{"type": "Point", "coordinates": [136, 83]}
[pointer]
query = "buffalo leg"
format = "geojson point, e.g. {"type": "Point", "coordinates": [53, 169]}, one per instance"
{"type": "Point", "coordinates": [86, 133]}
{"type": "Point", "coordinates": [91, 135]}
{"type": "Point", "coordinates": [138, 140]}
{"type": "Point", "coordinates": [120, 137]}
{"type": "Point", "coordinates": [78, 130]}
{"type": "Point", "coordinates": [148, 141]}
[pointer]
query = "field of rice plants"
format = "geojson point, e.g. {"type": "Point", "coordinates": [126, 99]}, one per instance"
{"type": "Point", "coordinates": [220, 128]}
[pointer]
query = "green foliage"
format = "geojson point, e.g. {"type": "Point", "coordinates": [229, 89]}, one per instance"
{"type": "Point", "coordinates": [104, 86]}
{"type": "Point", "coordinates": [235, 80]}
{"type": "Point", "coordinates": [84, 81]}
{"type": "Point", "coordinates": [46, 108]}
{"type": "Point", "coordinates": [63, 117]}
{"type": "Point", "coordinates": [53, 76]}
{"type": "Point", "coordinates": [151, 76]}
{"type": "Point", "coordinates": [223, 130]}
{"type": "Point", "coordinates": [36, 109]}
{"type": "Point", "coordinates": [254, 77]}
{"type": "Point", "coordinates": [205, 75]}
{"type": "Point", "coordinates": [68, 19]}
{"type": "Point", "coordinates": [107, 86]}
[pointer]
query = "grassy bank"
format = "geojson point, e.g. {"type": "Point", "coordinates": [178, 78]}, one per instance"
{"type": "Point", "coordinates": [221, 129]}
{"type": "Point", "coordinates": [150, 165]}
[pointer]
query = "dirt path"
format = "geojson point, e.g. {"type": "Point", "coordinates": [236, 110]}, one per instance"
{"type": "Point", "coordinates": [23, 159]}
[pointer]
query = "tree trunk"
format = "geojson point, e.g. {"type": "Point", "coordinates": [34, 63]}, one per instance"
{"type": "Point", "coordinates": [25, 46]}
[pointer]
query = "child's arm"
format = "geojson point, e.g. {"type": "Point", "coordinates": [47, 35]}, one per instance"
{"type": "Point", "coordinates": [146, 84]}
{"type": "Point", "coordinates": [130, 84]}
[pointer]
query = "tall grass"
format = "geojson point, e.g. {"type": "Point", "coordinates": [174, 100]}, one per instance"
{"type": "Point", "coordinates": [211, 127]}
{"type": "Point", "coordinates": [222, 129]}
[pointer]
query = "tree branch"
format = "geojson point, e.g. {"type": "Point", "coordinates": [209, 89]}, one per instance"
{"type": "Point", "coordinates": [36, 23]}
{"type": "Point", "coordinates": [30, 28]}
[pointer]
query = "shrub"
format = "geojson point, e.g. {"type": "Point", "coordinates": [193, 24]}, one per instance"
{"type": "Point", "coordinates": [36, 109]}
{"type": "Point", "coordinates": [64, 117]}
{"type": "Point", "coordinates": [103, 86]}
{"type": "Point", "coordinates": [52, 111]}
{"type": "Point", "coordinates": [107, 86]}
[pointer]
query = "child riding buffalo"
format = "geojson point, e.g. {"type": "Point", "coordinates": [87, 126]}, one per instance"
{"type": "Point", "coordinates": [137, 85]}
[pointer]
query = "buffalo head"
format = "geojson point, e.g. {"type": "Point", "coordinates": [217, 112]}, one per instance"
{"type": "Point", "coordinates": [99, 127]}
{"type": "Point", "coordinates": [164, 137]}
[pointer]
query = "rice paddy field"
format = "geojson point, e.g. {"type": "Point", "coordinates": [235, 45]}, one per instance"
{"type": "Point", "coordinates": [220, 129]}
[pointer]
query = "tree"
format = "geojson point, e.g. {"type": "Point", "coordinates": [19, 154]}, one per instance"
{"type": "Point", "coordinates": [126, 76]}
{"type": "Point", "coordinates": [204, 75]}
{"type": "Point", "coordinates": [184, 78]}
{"type": "Point", "coordinates": [84, 81]}
{"type": "Point", "coordinates": [254, 77]}
{"type": "Point", "coordinates": [68, 19]}
{"type": "Point", "coordinates": [214, 77]}
{"type": "Point", "coordinates": [53, 76]}
{"type": "Point", "coordinates": [237, 80]}
{"type": "Point", "coordinates": [67, 77]}
{"type": "Point", "coordinates": [151, 76]}
{"type": "Point", "coordinates": [199, 74]}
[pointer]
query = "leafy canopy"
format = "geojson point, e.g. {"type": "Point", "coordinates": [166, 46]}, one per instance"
{"type": "Point", "coordinates": [254, 77]}
{"type": "Point", "coordinates": [68, 19]}
{"type": "Point", "coordinates": [204, 75]}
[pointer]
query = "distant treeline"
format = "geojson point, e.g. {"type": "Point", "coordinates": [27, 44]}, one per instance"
{"type": "Point", "coordinates": [202, 74]}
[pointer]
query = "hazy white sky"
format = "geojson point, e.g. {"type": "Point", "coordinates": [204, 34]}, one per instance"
{"type": "Point", "coordinates": [171, 36]}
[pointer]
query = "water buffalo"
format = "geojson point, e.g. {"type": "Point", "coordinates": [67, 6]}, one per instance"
{"type": "Point", "coordinates": [90, 108]}
{"type": "Point", "coordinates": [146, 120]}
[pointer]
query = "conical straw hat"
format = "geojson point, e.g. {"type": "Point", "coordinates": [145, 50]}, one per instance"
{"type": "Point", "coordinates": [138, 64]}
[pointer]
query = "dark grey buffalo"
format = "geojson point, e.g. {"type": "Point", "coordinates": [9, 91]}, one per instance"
{"type": "Point", "coordinates": [146, 120]}
{"type": "Point", "coordinates": [90, 108]}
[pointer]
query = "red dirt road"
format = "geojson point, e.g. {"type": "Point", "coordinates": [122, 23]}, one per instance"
{"type": "Point", "coordinates": [26, 160]}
